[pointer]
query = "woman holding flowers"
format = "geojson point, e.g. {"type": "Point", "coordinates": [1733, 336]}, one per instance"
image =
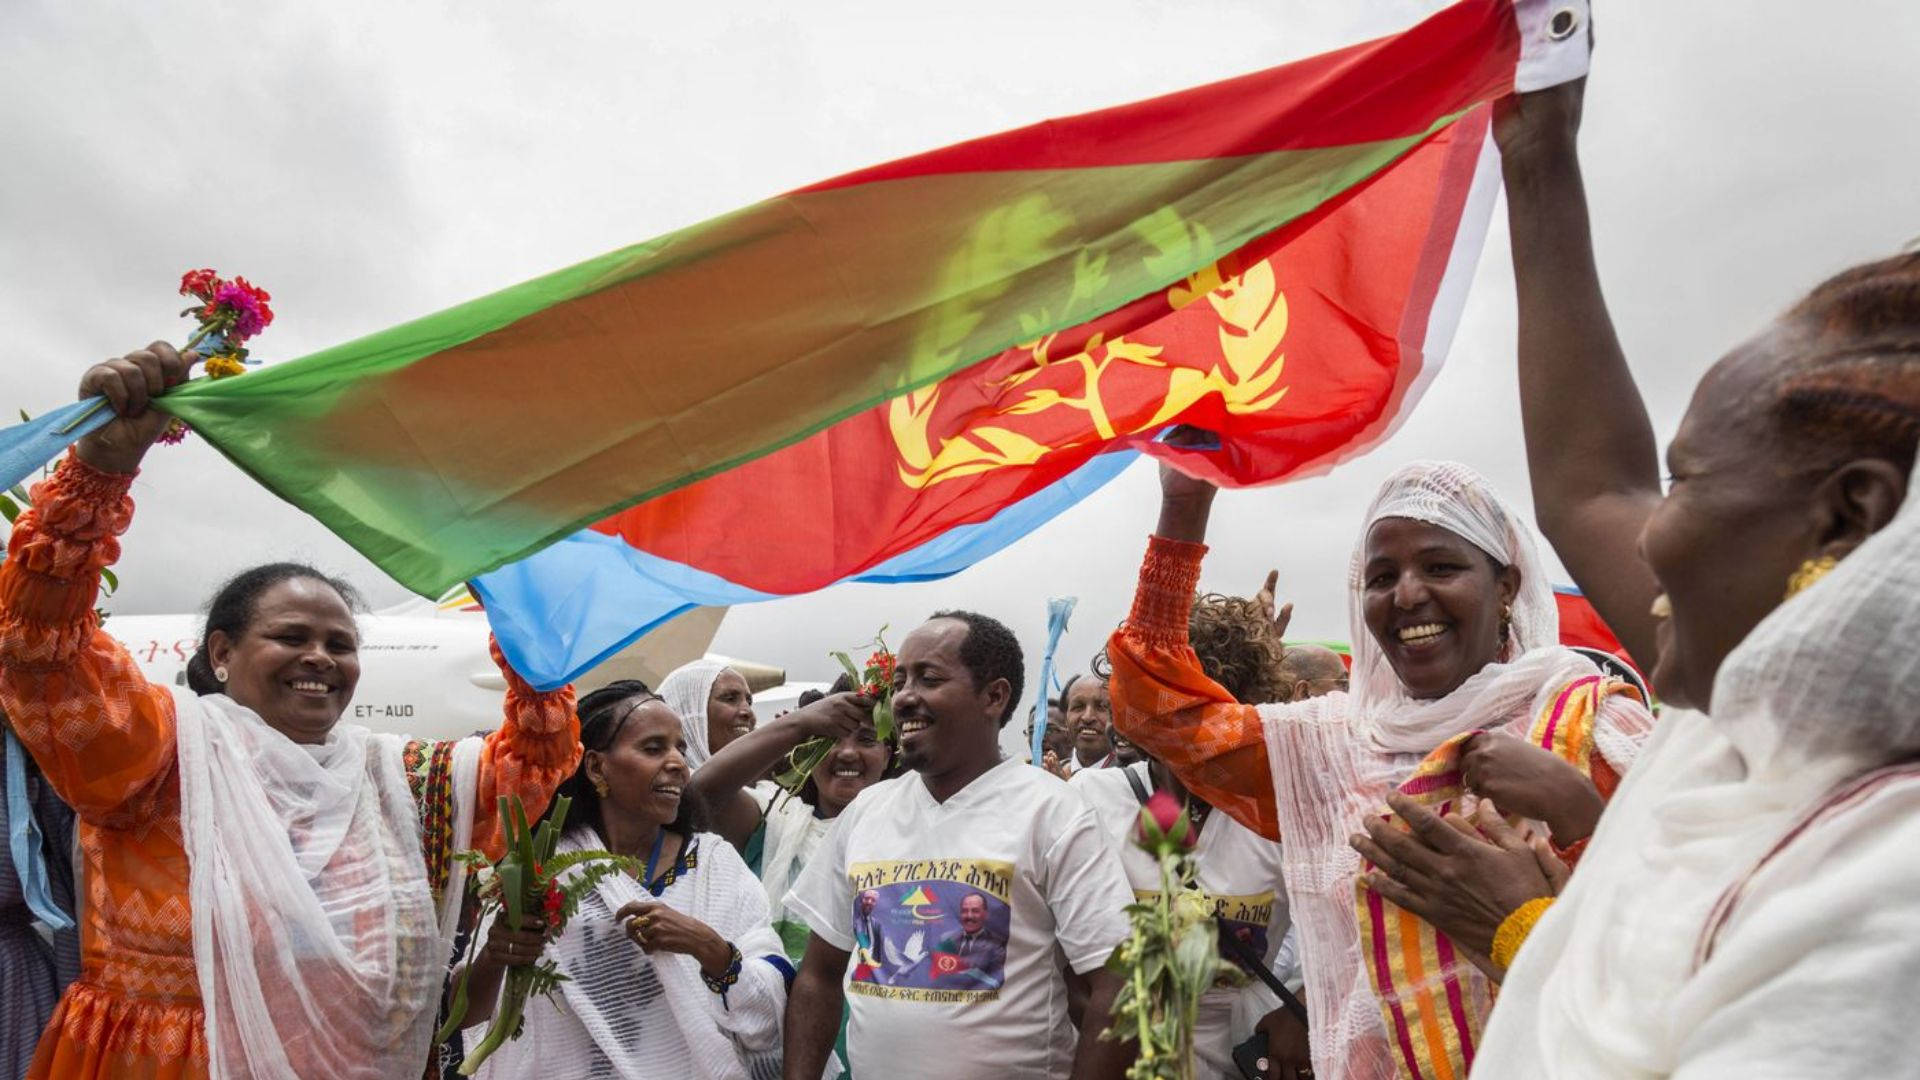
{"type": "Point", "coordinates": [671, 973]}
{"type": "Point", "coordinates": [1459, 687]}
{"type": "Point", "coordinates": [262, 881]}
{"type": "Point", "coordinates": [792, 826]}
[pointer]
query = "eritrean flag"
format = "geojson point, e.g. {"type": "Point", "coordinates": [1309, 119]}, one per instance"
{"type": "Point", "coordinates": [908, 367]}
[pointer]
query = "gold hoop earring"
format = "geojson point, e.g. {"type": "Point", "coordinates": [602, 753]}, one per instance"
{"type": "Point", "coordinates": [1810, 571]}
{"type": "Point", "coordinates": [1506, 622]}
{"type": "Point", "coordinates": [600, 786]}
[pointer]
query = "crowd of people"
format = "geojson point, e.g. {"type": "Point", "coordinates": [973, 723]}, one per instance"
{"type": "Point", "coordinates": [1471, 850]}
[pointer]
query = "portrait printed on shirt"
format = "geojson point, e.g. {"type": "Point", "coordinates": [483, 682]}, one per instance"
{"type": "Point", "coordinates": [931, 929]}
{"type": "Point", "coordinates": [1245, 918]}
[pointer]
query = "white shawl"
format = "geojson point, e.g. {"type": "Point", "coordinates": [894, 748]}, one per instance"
{"type": "Point", "coordinates": [1747, 906]}
{"type": "Point", "coordinates": [650, 1016]}
{"type": "Point", "coordinates": [1336, 757]}
{"type": "Point", "coordinates": [687, 690]}
{"type": "Point", "coordinates": [314, 931]}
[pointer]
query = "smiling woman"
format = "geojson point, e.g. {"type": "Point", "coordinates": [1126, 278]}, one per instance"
{"type": "Point", "coordinates": [674, 971]}
{"type": "Point", "coordinates": [1454, 633]}
{"type": "Point", "coordinates": [243, 847]}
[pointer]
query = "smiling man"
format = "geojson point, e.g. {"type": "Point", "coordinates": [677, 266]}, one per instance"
{"type": "Point", "coordinates": [1090, 723]}
{"type": "Point", "coordinates": [973, 868]}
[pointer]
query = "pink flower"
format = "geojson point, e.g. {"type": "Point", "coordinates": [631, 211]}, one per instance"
{"type": "Point", "coordinates": [1163, 824]}
{"type": "Point", "coordinates": [248, 306]}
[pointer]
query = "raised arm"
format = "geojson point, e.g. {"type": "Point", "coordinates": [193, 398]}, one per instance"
{"type": "Point", "coordinates": [720, 786]}
{"type": "Point", "coordinates": [1162, 700]}
{"type": "Point", "coordinates": [1590, 448]}
{"type": "Point", "coordinates": [100, 732]}
{"type": "Point", "coordinates": [537, 746]}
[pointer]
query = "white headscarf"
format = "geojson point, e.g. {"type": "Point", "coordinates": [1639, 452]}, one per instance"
{"type": "Point", "coordinates": [1613, 982]}
{"type": "Point", "coordinates": [687, 690]}
{"type": "Point", "coordinates": [1461, 501]}
{"type": "Point", "coordinates": [1336, 757]}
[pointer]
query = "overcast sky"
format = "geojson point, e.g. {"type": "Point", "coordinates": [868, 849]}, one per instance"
{"type": "Point", "coordinates": [371, 162]}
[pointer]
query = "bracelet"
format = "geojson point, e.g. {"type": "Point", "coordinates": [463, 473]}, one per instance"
{"type": "Point", "coordinates": [719, 983]}
{"type": "Point", "coordinates": [1515, 928]}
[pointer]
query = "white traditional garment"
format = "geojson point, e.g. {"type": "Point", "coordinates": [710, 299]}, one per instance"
{"type": "Point", "coordinates": [635, 1015]}
{"type": "Point", "coordinates": [315, 935]}
{"type": "Point", "coordinates": [1747, 906]}
{"type": "Point", "coordinates": [793, 834]}
{"type": "Point", "coordinates": [1335, 758]}
{"type": "Point", "coordinates": [686, 690]}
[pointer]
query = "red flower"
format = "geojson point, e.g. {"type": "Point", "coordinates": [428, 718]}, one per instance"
{"type": "Point", "coordinates": [199, 283]}
{"type": "Point", "coordinates": [1162, 821]}
{"type": "Point", "coordinates": [871, 690]}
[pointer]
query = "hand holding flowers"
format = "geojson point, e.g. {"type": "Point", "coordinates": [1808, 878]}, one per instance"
{"type": "Point", "coordinates": [874, 682]}
{"type": "Point", "coordinates": [530, 896]}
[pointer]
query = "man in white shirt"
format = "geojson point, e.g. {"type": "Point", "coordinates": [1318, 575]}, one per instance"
{"type": "Point", "coordinates": [979, 868]}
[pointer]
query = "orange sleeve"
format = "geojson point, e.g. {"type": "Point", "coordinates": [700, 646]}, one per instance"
{"type": "Point", "coordinates": [100, 732]}
{"type": "Point", "coordinates": [537, 747]}
{"type": "Point", "coordinates": [1165, 704]}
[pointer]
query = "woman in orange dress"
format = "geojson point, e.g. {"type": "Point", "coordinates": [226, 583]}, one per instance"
{"type": "Point", "coordinates": [133, 760]}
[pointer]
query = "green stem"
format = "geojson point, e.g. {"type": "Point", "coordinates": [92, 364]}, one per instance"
{"type": "Point", "coordinates": [506, 1020]}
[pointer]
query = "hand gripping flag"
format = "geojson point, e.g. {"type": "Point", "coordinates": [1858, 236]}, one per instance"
{"type": "Point", "coordinates": [891, 374]}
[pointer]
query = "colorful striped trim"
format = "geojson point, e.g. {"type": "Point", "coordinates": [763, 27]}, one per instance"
{"type": "Point", "coordinates": [1839, 800]}
{"type": "Point", "coordinates": [429, 769]}
{"type": "Point", "coordinates": [1433, 1001]}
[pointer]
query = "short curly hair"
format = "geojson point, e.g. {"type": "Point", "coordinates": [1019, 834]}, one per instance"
{"type": "Point", "coordinates": [1237, 647]}
{"type": "Point", "coordinates": [991, 652]}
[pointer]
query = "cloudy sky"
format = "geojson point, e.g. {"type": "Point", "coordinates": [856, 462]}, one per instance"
{"type": "Point", "coordinates": [371, 162]}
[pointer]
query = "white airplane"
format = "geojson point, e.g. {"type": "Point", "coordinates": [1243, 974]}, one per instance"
{"type": "Point", "coordinates": [425, 671]}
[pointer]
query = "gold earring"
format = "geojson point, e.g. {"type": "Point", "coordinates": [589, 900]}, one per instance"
{"type": "Point", "coordinates": [1810, 571]}
{"type": "Point", "coordinates": [1506, 621]}
{"type": "Point", "coordinates": [600, 786]}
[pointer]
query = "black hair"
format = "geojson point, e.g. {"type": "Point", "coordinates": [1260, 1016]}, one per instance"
{"type": "Point", "coordinates": [603, 713]}
{"type": "Point", "coordinates": [989, 652]}
{"type": "Point", "coordinates": [233, 607]}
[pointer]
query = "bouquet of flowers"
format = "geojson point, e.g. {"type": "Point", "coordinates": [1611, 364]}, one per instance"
{"type": "Point", "coordinates": [525, 880]}
{"type": "Point", "coordinates": [1172, 956]}
{"type": "Point", "coordinates": [230, 312]}
{"type": "Point", "coordinates": [874, 681]}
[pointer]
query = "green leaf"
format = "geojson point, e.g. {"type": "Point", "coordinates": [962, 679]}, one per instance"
{"type": "Point", "coordinates": [1196, 956]}
{"type": "Point", "coordinates": [883, 719]}
{"type": "Point", "coordinates": [513, 890]}
{"type": "Point", "coordinates": [847, 663]}
{"type": "Point", "coordinates": [111, 579]}
{"type": "Point", "coordinates": [9, 508]}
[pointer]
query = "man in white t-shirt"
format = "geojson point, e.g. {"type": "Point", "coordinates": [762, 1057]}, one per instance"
{"type": "Point", "coordinates": [978, 868]}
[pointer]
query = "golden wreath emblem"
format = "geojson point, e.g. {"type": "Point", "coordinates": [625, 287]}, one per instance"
{"type": "Point", "coordinates": [1253, 323]}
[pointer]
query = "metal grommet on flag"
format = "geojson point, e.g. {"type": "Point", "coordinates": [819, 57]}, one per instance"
{"type": "Point", "coordinates": [1562, 24]}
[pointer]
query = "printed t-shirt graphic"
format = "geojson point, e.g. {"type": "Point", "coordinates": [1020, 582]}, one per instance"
{"type": "Point", "coordinates": [930, 929]}
{"type": "Point", "coordinates": [954, 916]}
